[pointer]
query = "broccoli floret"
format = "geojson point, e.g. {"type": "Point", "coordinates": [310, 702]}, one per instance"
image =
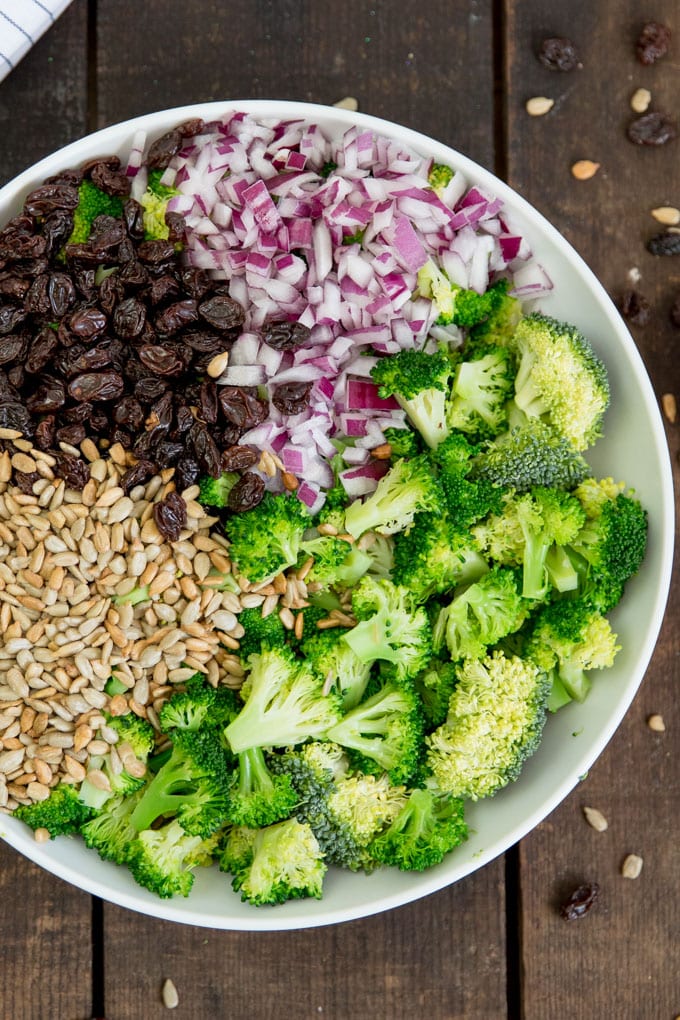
{"type": "Point", "coordinates": [62, 813]}
{"type": "Point", "coordinates": [380, 551]}
{"type": "Point", "coordinates": [215, 491]}
{"type": "Point", "coordinates": [525, 530]}
{"type": "Point", "coordinates": [403, 442]}
{"type": "Point", "coordinates": [330, 561]}
{"type": "Point", "coordinates": [282, 862]}
{"type": "Point", "coordinates": [568, 639]}
{"type": "Point", "coordinates": [439, 177]}
{"type": "Point", "coordinates": [482, 386]}
{"type": "Point", "coordinates": [285, 704]}
{"type": "Point", "coordinates": [435, 555]}
{"type": "Point", "coordinates": [386, 728]}
{"type": "Point", "coordinates": [333, 510]}
{"type": "Point", "coordinates": [495, 722]}
{"type": "Point", "coordinates": [560, 379]}
{"type": "Point", "coordinates": [136, 732]}
{"type": "Point", "coordinates": [197, 705]}
{"type": "Point", "coordinates": [501, 322]}
{"type": "Point", "coordinates": [192, 785]}
{"type": "Point", "coordinates": [458, 305]}
{"type": "Point", "coordinates": [337, 664]}
{"type": "Point", "coordinates": [481, 615]}
{"type": "Point", "coordinates": [260, 631]}
{"type": "Point", "coordinates": [92, 202]}
{"type": "Point", "coordinates": [408, 488]}
{"type": "Point", "coordinates": [110, 832]}
{"type": "Point", "coordinates": [466, 498]}
{"type": "Point", "coordinates": [136, 738]}
{"type": "Point", "coordinates": [530, 454]}
{"type": "Point", "coordinates": [154, 202]}
{"type": "Point", "coordinates": [420, 383]}
{"type": "Point", "coordinates": [257, 796]}
{"type": "Point", "coordinates": [267, 539]}
{"type": "Point", "coordinates": [427, 828]}
{"type": "Point", "coordinates": [434, 687]}
{"type": "Point", "coordinates": [390, 627]}
{"type": "Point", "coordinates": [611, 544]}
{"type": "Point", "coordinates": [163, 860]}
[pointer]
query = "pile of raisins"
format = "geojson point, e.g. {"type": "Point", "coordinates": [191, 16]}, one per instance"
{"type": "Point", "coordinates": [111, 339]}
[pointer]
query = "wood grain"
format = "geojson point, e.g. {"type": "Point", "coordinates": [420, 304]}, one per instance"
{"type": "Point", "coordinates": [618, 960]}
{"type": "Point", "coordinates": [442, 957]}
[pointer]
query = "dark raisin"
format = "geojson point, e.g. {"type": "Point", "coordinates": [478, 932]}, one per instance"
{"type": "Point", "coordinates": [24, 480]}
{"type": "Point", "coordinates": [150, 388]}
{"type": "Point", "coordinates": [247, 493]}
{"type": "Point", "coordinates": [72, 434]}
{"type": "Point", "coordinates": [196, 282]}
{"type": "Point", "coordinates": [133, 274]}
{"type": "Point", "coordinates": [57, 228]}
{"type": "Point", "coordinates": [163, 149]}
{"type": "Point", "coordinates": [133, 215]}
{"type": "Point", "coordinates": [580, 902]}
{"type": "Point", "coordinates": [206, 450]}
{"type": "Point", "coordinates": [239, 458]}
{"type": "Point", "coordinates": [128, 411]}
{"type": "Point", "coordinates": [71, 176]}
{"type": "Point", "coordinates": [191, 127]}
{"type": "Point", "coordinates": [185, 419]}
{"type": "Point", "coordinates": [187, 472]}
{"type": "Point", "coordinates": [37, 301]}
{"type": "Point", "coordinates": [176, 316]}
{"type": "Point", "coordinates": [222, 312]}
{"type": "Point", "coordinates": [49, 197]}
{"type": "Point", "coordinates": [168, 453]}
{"type": "Point", "coordinates": [242, 408]}
{"type": "Point", "coordinates": [675, 312]}
{"type": "Point", "coordinates": [170, 515]}
{"type": "Point", "coordinates": [161, 360]}
{"type": "Point", "coordinates": [84, 281]}
{"type": "Point", "coordinates": [155, 251]}
{"type": "Point", "coordinates": [112, 182]}
{"type": "Point", "coordinates": [86, 323]}
{"type": "Point", "coordinates": [636, 308]}
{"type": "Point", "coordinates": [15, 416]}
{"type": "Point", "coordinates": [111, 161]}
{"type": "Point", "coordinates": [96, 386]}
{"type": "Point", "coordinates": [129, 318]}
{"type": "Point", "coordinates": [61, 293]}
{"type": "Point", "coordinates": [653, 128]}
{"type": "Point", "coordinates": [285, 336]}
{"type": "Point", "coordinates": [292, 398]}
{"type": "Point", "coordinates": [11, 316]}
{"type": "Point", "coordinates": [140, 473]}
{"type": "Point", "coordinates": [207, 406]}
{"type": "Point", "coordinates": [164, 288]}
{"type": "Point", "coordinates": [44, 433]}
{"type": "Point", "coordinates": [12, 286]}
{"type": "Point", "coordinates": [653, 42]}
{"type": "Point", "coordinates": [664, 243]}
{"type": "Point", "coordinates": [205, 342]}
{"type": "Point", "coordinates": [111, 291]}
{"type": "Point", "coordinates": [558, 54]}
{"type": "Point", "coordinates": [17, 376]}
{"type": "Point", "coordinates": [176, 225]}
{"type": "Point", "coordinates": [74, 471]}
{"type": "Point", "coordinates": [13, 348]}
{"type": "Point", "coordinates": [48, 396]}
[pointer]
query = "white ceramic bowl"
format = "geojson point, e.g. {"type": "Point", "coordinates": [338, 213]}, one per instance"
{"type": "Point", "coordinates": [633, 449]}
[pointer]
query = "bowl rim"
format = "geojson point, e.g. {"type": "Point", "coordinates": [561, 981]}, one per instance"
{"type": "Point", "coordinates": [290, 916]}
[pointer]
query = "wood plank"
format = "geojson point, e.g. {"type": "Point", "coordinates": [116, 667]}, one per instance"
{"type": "Point", "coordinates": [442, 957]}
{"type": "Point", "coordinates": [43, 102]}
{"type": "Point", "coordinates": [402, 61]}
{"type": "Point", "coordinates": [45, 924]}
{"type": "Point", "coordinates": [45, 934]}
{"type": "Point", "coordinates": [625, 955]}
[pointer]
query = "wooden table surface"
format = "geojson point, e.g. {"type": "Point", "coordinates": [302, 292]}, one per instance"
{"type": "Point", "coordinates": [492, 946]}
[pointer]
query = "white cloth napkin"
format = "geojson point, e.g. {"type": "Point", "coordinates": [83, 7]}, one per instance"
{"type": "Point", "coordinates": [22, 22]}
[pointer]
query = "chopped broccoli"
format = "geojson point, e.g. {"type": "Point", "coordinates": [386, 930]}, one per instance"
{"type": "Point", "coordinates": [427, 828]}
{"type": "Point", "coordinates": [505, 312]}
{"type": "Point", "coordinates": [527, 527]}
{"type": "Point", "coordinates": [495, 722]}
{"type": "Point", "coordinates": [390, 627]}
{"type": "Point", "coordinates": [260, 631]}
{"type": "Point", "coordinates": [192, 785]}
{"type": "Point", "coordinates": [114, 686]}
{"type": "Point", "coordinates": [333, 510]}
{"type": "Point", "coordinates": [267, 539]}
{"type": "Point", "coordinates": [529, 454]}
{"type": "Point", "coordinates": [110, 832]}
{"type": "Point", "coordinates": [278, 863]}
{"type": "Point", "coordinates": [330, 559]}
{"type": "Point", "coordinates": [482, 386]}
{"type": "Point", "coordinates": [435, 555]}
{"type": "Point", "coordinates": [136, 737]}
{"type": "Point", "coordinates": [380, 551]}
{"type": "Point", "coordinates": [408, 488]}
{"type": "Point", "coordinates": [466, 498]}
{"type": "Point", "coordinates": [439, 177]}
{"type": "Point", "coordinates": [560, 379]}
{"type": "Point", "coordinates": [481, 615]}
{"type": "Point", "coordinates": [386, 728]}
{"type": "Point", "coordinates": [568, 638]}
{"type": "Point", "coordinates": [434, 687]}
{"type": "Point", "coordinates": [337, 664]}
{"type": "Point", "coordinates": [163, 860]}
{"type": "Point", "coordinates": [133, 598]}
{"type": "Point", "coordinates": [197, 705]}
{"type": "Point", "coordinates": [92, 202]}
{"type": "Point", "coordinates": [215, 491]}
{"type": "Point", "coordinates": [403, 442]}
{"type": "Point", "coordinates": [458, 305]}
{"type": "Point", "coordinates": [420, 383]}
{"type": "Point", "coordinates": [62, 813]}
{"type": "Point", "coordinates": [285, 704]}
{"type": "Point", "coordinates": [154, 202]}
{"type": "Point", "coordinates": [257, 796]}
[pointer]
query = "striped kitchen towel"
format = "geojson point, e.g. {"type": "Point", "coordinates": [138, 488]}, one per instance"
{"type": "Point", "coordinates": [22, 22]}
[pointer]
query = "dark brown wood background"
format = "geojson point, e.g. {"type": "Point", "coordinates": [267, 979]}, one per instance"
{"type": "Point", "coordinates": [492, 946]}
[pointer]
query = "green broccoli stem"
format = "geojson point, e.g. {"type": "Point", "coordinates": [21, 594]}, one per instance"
{"type": "Point", "coordinates": [533, 567]}
{"type": "Point", "coordinates": [574, 680]}
{"type": "Point", "coordinates": [253, 772]}
{"type": "Point", "coordinates": [561, 570]}
{"type": "Point", "coordinates": [369, 641]}
{"type": "Point", "coordinates": [163, 796]}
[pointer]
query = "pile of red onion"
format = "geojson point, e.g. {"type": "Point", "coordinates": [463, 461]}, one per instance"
{"type": "Point", "coordinates": [332, 233]}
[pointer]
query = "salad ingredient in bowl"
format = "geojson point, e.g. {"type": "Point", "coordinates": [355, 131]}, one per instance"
{"type": "Point", "coordinates": [288, 391]}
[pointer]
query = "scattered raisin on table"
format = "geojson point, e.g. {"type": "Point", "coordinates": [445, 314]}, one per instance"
{"type": "Point", "coordinates": [558, 54]}
{"type": "Point", "coordinates": [653, 128]}
{"type": "Point", "coordinates": [664, 243]}
{"type": "Point", "coordinates": [580, 902]}
{"type": "Point", "coordinates": [653, 42]}
{"type": "Point", "coordinates": [636, 308]}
